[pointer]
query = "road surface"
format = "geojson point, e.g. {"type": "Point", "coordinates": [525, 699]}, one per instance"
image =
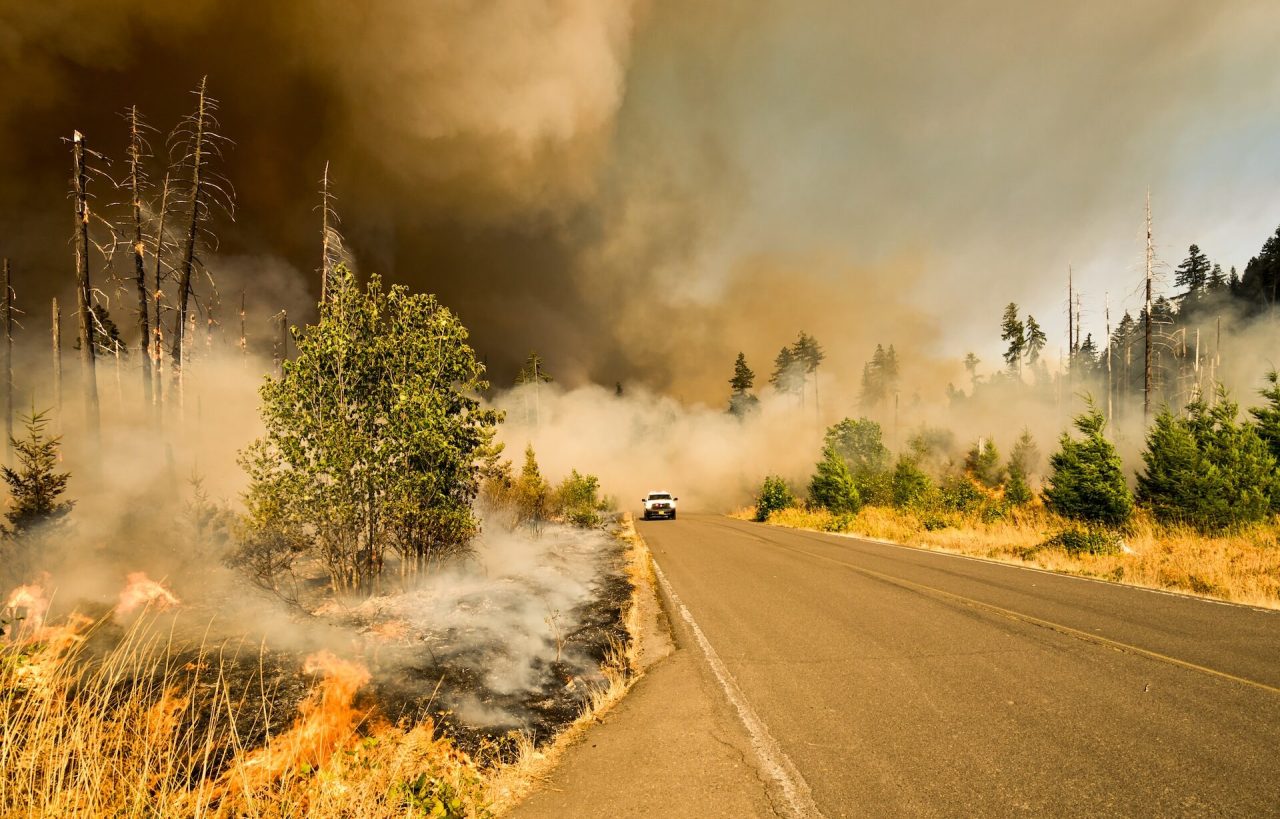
{"type": "Point", "coordinates": [875, 680]}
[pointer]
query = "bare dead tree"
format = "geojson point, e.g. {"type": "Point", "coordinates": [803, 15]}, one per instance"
{"type": "Point", "coordinates": [1146, 379]}
{"type": "Point", "coordinates": [84, 289]}
{"type": "Point", "coordinates": [136, 181]}
{"type": "Point", "coordinates": [280, 350]}
{"type": "Point", "coordinates": [7, 320]}
{"type": "Point", "coordinates": [244, 343]}
{"type": "Point", "coordinates": [332, 247]}
{"type": "Point", "coordinates": [199, 137]}
{"type": "Point", "coordinates": [157, 346]}
{"type": "Point", "coordinates": [57, 358]}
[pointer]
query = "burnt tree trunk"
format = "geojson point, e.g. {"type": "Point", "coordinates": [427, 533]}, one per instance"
{"type": "Point", "coordinates": [84, 289]}
{"type": "Point", "coordinates": [192, 229]}
{"type": "Point", "coordinates": [57, 358]}
{"type": "Point", "coordinates": [244, 343]}
{"type": "Point", "coordinates": [7, 320]}
{"type": "Point", "coordinates": [158, 343]}
{"type": "Point", "coordinates": [139, 254]}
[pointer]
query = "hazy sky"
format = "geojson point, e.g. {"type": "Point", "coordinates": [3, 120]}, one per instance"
{"type": "Point", "coordinates": [641, 189]}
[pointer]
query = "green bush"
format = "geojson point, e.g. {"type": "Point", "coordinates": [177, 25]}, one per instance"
{"type": "Point", "coordinates": [958, 494]}
{"type": "Point", "coordinates": [774, 495]}
{"type": "Point", "coordinates": [1207, 470]}
{"type": "Point", "coordinates": [839, 523]}
{"type": "Point", "coordinates": [994, 512]}
{"type": "Point", "coordinates": [1085, 541]}
{"type": "Point", "coordinates": [577, 500]}
{"type": "Point", "coordinates": [911, 486]}
{"type": "Point", "coordinates": [1087, 480]}
{"type": "Point", "coordinates": [933, 523]}
{"type": "Point", "coordinates": [983, 463]}
{"type": "Point", "coordinates": [832, 485]}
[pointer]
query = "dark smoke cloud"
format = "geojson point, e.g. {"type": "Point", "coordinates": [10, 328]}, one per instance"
{"type": "Point", "coordinates": [641, 189]}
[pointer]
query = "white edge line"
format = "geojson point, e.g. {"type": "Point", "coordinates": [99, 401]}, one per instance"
{"type": "Point", "coordinates": [992, 561]}
{"type": "Point", "coordinates": [774, 760]}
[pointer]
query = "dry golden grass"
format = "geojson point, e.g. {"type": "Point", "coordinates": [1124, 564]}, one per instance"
{"type": "Point", "coordinates": [135, 731]}
{"type": "Point", "coordinates": [1242, 567]}
{"type": "Point", "coordinates": [131, 733]}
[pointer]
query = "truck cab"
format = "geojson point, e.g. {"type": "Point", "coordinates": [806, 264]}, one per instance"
{"type": "Point", "coordinates": [659, 504]}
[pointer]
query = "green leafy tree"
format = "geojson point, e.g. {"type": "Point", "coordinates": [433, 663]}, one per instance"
{"type": "Point", "coordinates": [774, 496]}
{"type": "Point", "coordinates": [742, 401]}
{"type": "Point", "coordinates": [1086, 480]}
{"type": "Point", "coordinates": [1012, 332]}
{"type": "Point", "coordinates": [832, 485]}
{"type": "Point", "coordinates": [1206, 469]}
{"type": "Point", "coordinates": [374, 438]}
{"type": "Point", "coordinates": [983, 463]}
{"type": "Point", "coordinates": [860, 443]}
{"type": "Point", "coordinates": [36, 485]}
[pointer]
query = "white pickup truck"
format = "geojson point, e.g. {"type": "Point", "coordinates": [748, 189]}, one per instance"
{"type": "Point", "coordinates": [659, 505]}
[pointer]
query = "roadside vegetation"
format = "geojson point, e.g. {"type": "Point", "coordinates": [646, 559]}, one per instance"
{"type": "Point", "coordinates": [1202, 519]}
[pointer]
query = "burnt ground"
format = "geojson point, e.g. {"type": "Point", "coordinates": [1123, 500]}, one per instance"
{"type": "Point", "coordinates": [445, 676]}
{"type": "Point", "coordinates": [418, 670]}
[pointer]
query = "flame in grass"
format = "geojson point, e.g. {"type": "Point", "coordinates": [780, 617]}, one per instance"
{"type": "Point", "coordinates": [141, 590]}
{"type": "Point", "coordinates": [26, 606]}
{"type": "Point", "coordinates": [326, 722]}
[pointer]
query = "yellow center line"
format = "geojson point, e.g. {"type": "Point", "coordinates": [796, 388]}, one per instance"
{"type": "Point", "coordinates": [1036, 621]}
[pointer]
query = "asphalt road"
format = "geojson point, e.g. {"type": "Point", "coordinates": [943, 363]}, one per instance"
{"type": "Point", "coordinates": [882, 681]}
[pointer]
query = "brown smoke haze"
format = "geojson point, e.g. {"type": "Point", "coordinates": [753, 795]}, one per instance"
{"type": "Point", "coordinates": [617, 183]}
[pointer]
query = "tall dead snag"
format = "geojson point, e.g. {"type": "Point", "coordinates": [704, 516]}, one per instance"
{"type": "Point", "coordinates": [6, 320]}
{"type": "Point", "coordinates": [157, 345]}
{"type": "Point", "coordinates": [198, 134]}
{"type": "Point", "coordinates": [136, 182]}
{"type": "Point", "coordinates": [84, 289]}
{"type": "Point", "coordinates": [280, 350]}
{"type": "Point", "coordinates": [244, 342]}
{"type": "Point", "coordinates": [1146, 378]}
{"type": "Point", "coordinates": [57, 358]}
{"type": "Point", "coordinates": [332, 249]}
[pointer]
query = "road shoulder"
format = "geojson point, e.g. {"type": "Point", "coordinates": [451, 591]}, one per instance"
{"type": "Point", "coordinates": [672, 747]}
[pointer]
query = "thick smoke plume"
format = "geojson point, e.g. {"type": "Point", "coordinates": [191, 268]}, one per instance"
{"type": "Point", "coordinates": [571, 176]}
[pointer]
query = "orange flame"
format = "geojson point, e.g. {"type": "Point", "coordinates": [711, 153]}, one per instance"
{"type": "Point", "coordinates": [326, 721]}
{"type": "Point", "coordinates": [143, 591]}
{"type": "Point", "coordinates": [29, 602]}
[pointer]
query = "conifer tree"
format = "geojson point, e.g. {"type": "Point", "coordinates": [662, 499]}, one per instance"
{"type": "Point", "coordinates": [741, 400]}
{"type": "Point", "coordinates": [983, 462]}
{"type": "Point", "coordinates": [1023, 461]}
{"type": "Point", "coordinates": [1193, 273]}
{"type": "Point", "coordinates": [1268, 415]}
{"type": "Point", "coordinates": [1035, 340]}
{"type": "Point", "coordinates": [1206, 469]}
{"type": "Point", "coordinates": [1012, 332]}
{"type": "Point", "coordinates": [788, 373]}
{"type": "Point", "coordinates": [35, 486]}
{"type": "Point", "coordinates": [832, 486]}
{"type": "Point", "coordinates": [1086, 481]}
{"type": "Point", "coordinates": [1217, 279]}
{"type": "Point", "coordinates": [971, 363]}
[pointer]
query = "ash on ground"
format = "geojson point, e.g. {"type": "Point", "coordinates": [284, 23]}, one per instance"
{"type": "Point", "coordinates": [510, 639]}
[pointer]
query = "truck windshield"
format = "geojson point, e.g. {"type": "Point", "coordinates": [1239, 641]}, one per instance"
{"type": "Point", "coordinates": [659, 497]}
